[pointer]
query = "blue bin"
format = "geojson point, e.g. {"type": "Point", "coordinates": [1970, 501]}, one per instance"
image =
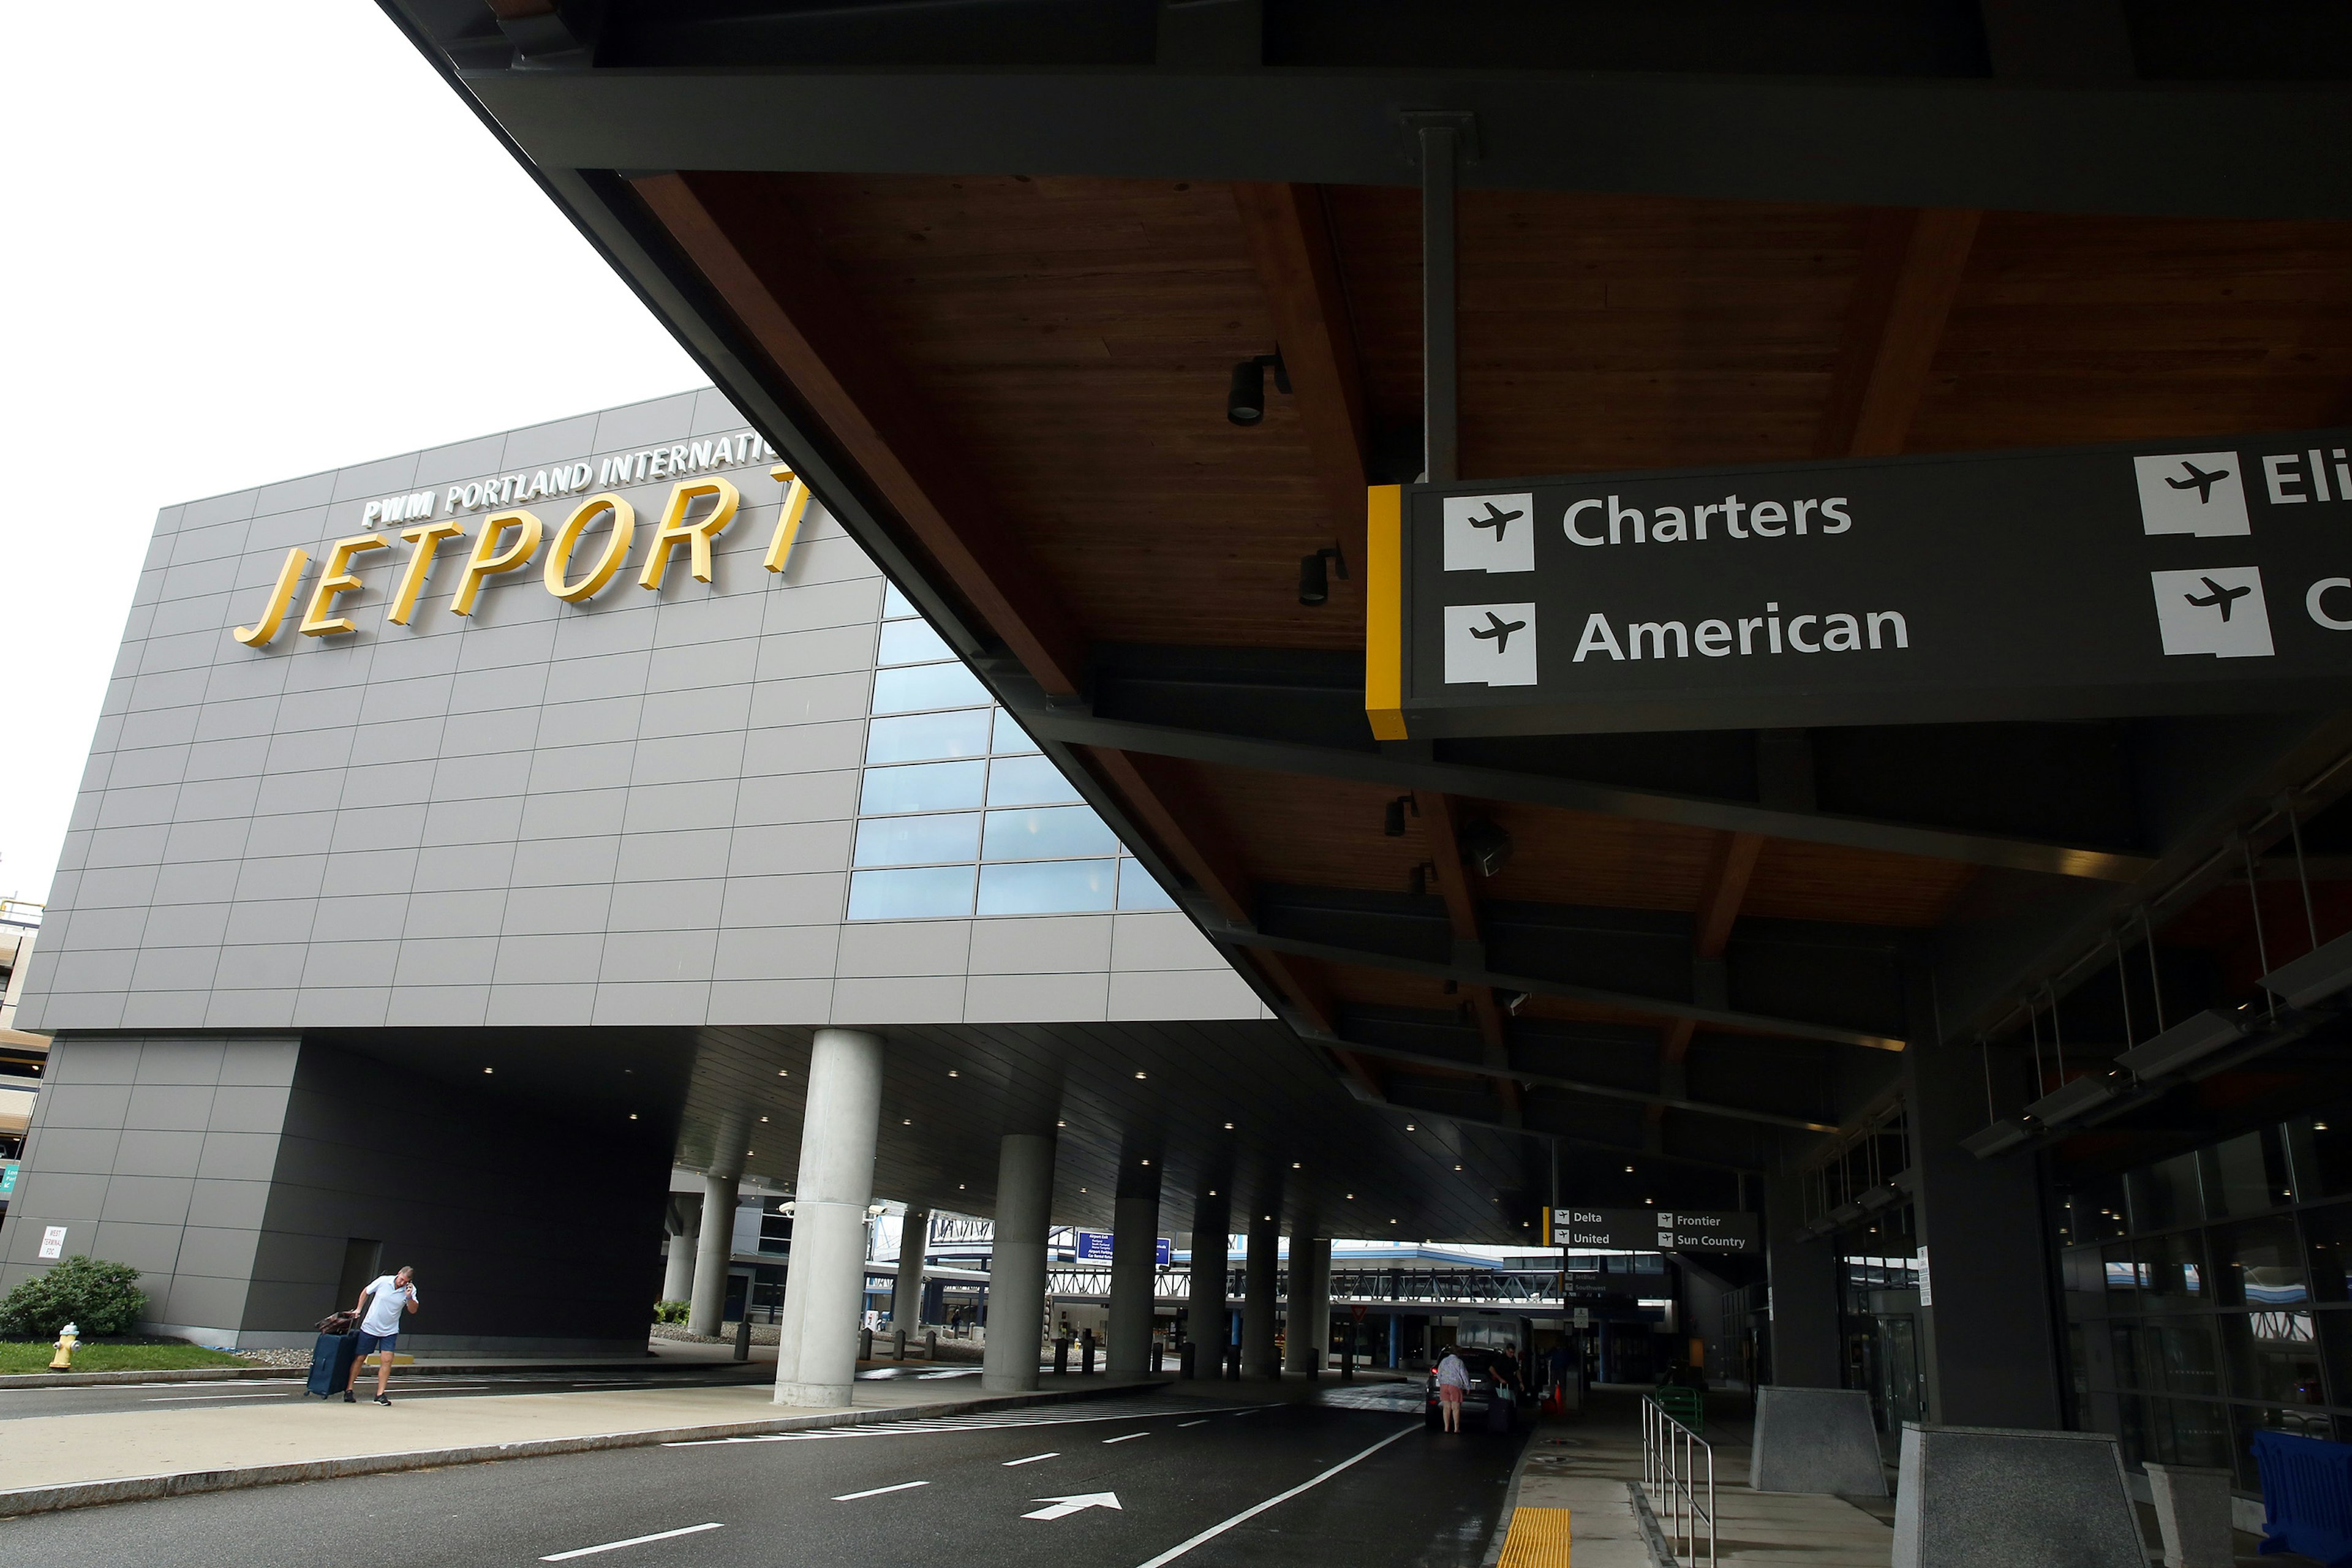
{"type": "Point", "coordinates": [2307, 1495]}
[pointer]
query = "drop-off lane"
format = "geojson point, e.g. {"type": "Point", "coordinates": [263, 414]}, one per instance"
{"type": "Point", "coordinates": [1421, 1499]}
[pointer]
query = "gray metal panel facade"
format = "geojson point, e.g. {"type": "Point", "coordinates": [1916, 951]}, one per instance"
{"type": "Point", "coordinates": [636, 810]}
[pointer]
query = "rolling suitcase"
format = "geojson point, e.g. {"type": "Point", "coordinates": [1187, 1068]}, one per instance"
{"type": "Point", "coordinates": [330, 1364]}
{"type": "Point", "coordinates": [1499, 1414]}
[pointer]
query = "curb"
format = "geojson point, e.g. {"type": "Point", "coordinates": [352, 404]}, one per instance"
{"type": "Point", "coordinates": [235, 1374]}
{"type": "Point", "coordinates": [1511, 1497]}
{"type": "Point", "coordinates": [183, 1483]}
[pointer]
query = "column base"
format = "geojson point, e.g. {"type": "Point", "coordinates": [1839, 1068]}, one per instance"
{"type": "Point", "coordinates": [814, 1395]}
{"type": "Point", "coordinates": [1007, 1383]}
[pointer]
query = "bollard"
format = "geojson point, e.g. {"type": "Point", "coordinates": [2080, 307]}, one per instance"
{"type": "Point", "coordinates": [931, 1344]}
{"type": "Point", "coordinates": [743, 1337]}
{"type": "Point", "coordinates": [866, 1345]}
{"type": "Point", "coordinates": [1159, 1354]}
{"type": "Point", "coordinates": [1062, 1356]}
{"type": "Point", "coordinates": [1233, 1363]}
{"type": "Point", "coordinates": [898, 1345]}
{"type": "Point", "coordinates": [2192, 1514]}
{"type": "Point", "coordinates": [66, 1339]}
{"type": "Point", "coordinates": [1348, 1353]}
{"type": "Point", "coordinates": [1187, 1360]}
{"type": "Point", "coordinates": [1086, 1353]}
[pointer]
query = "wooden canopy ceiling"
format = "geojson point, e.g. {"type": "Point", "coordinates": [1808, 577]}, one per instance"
{"type": "Point", "coordinates": [1800, 237]}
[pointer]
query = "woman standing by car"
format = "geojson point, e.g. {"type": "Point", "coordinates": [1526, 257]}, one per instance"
{"type": "Point", "coordinates": [1452, 1377]}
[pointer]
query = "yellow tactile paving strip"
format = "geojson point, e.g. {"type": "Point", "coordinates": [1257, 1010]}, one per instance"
{"type": "Point", "coordinates": [1539, 1538]}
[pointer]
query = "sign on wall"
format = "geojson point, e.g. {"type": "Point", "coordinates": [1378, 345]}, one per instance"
{"type": "Point", "coordinates": [52, 1241]}
{"type": "Point", "coordinates": [2186, 576]}
{"type": "Point", "coordinates": [1095, 1246]}
{"type": "Point", "coordinates": [1654, 1230]}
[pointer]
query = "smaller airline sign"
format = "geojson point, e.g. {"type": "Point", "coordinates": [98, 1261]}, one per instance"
{"type": "Point", "coordinates": [1095, 1246]}
{"type": "Point", "coordinates": [1654, 1230]}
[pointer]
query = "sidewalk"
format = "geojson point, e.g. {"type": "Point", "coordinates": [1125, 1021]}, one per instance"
{"type": "Point", "coordinates": [71, 1461]}
{"type": "Point", "coordinates": [1584, 1465]}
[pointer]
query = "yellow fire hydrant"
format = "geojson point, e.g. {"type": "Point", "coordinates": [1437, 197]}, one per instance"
{"type": "Point", "coordinates": [63, 1359]}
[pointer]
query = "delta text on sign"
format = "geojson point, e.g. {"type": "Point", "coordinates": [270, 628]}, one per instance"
{"type": "Point", "coordinates": [2083, 583]}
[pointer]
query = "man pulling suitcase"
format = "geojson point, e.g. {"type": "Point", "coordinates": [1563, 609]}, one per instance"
{"type": "Point", "coordinates": [379, 1309]}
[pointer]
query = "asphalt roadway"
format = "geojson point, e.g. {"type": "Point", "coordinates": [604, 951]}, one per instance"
{"type": "Point", "coordinates": [1350, 1477]}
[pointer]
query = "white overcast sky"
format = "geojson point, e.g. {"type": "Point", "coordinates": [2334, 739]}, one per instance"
{"type": "Point", "coordinates": [243, 243]}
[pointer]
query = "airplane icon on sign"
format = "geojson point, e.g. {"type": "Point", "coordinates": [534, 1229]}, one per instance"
{"type": "Point", "coordinates": [2217, 595]}
{"type": "Point", "coordinates": [2203, 483]}
{"type": "Point", "coordinates": [1497, 519]}
{"type": "Point", "coordinates": [1498, 630]}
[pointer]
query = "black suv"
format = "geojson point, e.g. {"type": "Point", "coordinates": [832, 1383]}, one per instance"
{"type": "Point", "coordinates": [1486, 1369]}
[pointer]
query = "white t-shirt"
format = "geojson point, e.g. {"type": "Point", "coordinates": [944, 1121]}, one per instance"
{"type": "Point", "coordinates": [384, 1310]}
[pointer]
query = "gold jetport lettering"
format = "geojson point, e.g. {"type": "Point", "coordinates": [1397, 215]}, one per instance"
{"type": "Point", "coordinates": [508, 541]}
{"type": "Point", "coordinates": [336, 580]}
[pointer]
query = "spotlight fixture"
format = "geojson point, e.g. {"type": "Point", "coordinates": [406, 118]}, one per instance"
{"type": "Point", "coordinates": [1485, 847]}
{"type": "Point", "coordinates": [1394, 826]}
{"type": "Point", "coordinates": [1246, 393]}
{"type": "Point", "coordinates": [1314, 575]}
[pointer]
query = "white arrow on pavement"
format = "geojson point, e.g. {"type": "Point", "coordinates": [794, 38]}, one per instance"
{"type": "Point", "coordinates": [1065, 1506]}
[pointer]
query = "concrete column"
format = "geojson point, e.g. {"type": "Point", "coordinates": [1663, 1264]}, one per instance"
{"type": "Point", "coordinates": [817, 1354]}
{"type": "Point", "coordinates": [906, 1295]}
{"type": "Point", "coordinates": [1016, 1277]}
{"type": "Point", "coordinates": [1260, 1290]}
{"type": "Point", "coordinates": [1801, 1276]}
{"type": "Point", "coordinates": [1311, 1305]}
{"type": "Point", "coordinates": [1988, 1342]}
{"type": "Point", "coordinates": [1204, 1317]}
{"type": "Point", "coordinates": [1135, 1250]}
{"type": "Point", "coordinates": [679, 1223]}
{"type": "Point", "coordinates": [712, 1253]}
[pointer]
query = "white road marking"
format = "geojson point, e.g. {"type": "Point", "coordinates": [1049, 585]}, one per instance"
{"type": "Point", "coordinates": [877, 1491]}
{"type": "Point", "coordinates": [1130, 1437]}
{"type": "Point", "coordinates": [983, 1421]}
{"type": "Point", "coordinates": [1203, 1422]}
{"type": "Point", "coordinates": [632, 1541]}
{"type": "Point", "coordinates": [1251, 1512]}
{"type": "Point", "coordinates": [1031, 1459]}
{"type": "Point", "coordinates": [1062, 1507]}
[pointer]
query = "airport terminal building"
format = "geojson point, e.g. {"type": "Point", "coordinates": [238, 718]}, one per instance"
{"type": "Point", "coordinates": [411, 884]}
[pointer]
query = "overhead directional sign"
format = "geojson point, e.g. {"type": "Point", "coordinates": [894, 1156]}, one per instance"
{"type": "Point", "coordinates": [2207, 575]}
{"type": "Point", "coordinates": [1095, 1247]}
{"type": "Point", "coordinates": [1654, 1230]}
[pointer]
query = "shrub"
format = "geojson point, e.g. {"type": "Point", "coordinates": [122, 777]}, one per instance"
{"type": "Point", "coordinates": [670, 1311]}
{"type": "Point", "coordinates": [97, 1298]}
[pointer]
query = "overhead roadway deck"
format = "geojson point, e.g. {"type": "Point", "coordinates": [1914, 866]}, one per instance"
{"type": "Point", "coordinates": [980, 270]}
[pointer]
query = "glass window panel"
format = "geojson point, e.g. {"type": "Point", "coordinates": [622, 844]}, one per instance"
{"type": "Point", "coordinates": [2181, 1357]}
{"type": "Point", "coordinates": [2319, 1149]}
{"type": "Point", "coordinates": [2273, 1356]}
{"type": "Point", "coordinates": [934, 890]}
{"type": "Point", "coordinates": [1046, 887]}
{"type": "Point", "coordinates": [918, 840]}
{"type": "Point", "coordinates": [1057, 832]}
{"type": "Point", "coordinates": [922, 686]}
{"type": "Point", "coordinates": [2123, 1277]}
{"type": "Point", "coordinates": [1027, 780]}
{"type": "Point", "coordinates": [1139, 891]}
{"type": "Point", "coordinates": [1011, 739]}
{"type": "Point", "coordinates": [2336, 1354]}
{"type": "Point", "coordinates": [894, 602]}
{"type": "Point", "coordinates": [2328, 1232]}
{"type": "Point", "coordinates": [2259, 1263]}
{"type": "Point", "coordinates": [2173, 1269]}
{"type": "Point", "coordinates": [925, 786]}
{"type": "Point", "coordinates": [2238, 1178]}
{"type": "Point", "coordinates": [921, 737]}
{"type": "Point", "coordinates": [2165, 1194]}
{"type": "Point", "coordinates": [912, 642]}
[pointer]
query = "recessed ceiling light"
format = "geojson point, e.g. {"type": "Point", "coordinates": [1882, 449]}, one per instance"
{"type": "Point", "coordinates": [903, 1121]}
{"type": "Point", "coordinates": [1229, 1127]}
{"type": "Point", "coordinates": [1352, 1195]}
{"type": "Point", "coordinates": [781, 1073]}
{"type": "Point", "coordinates": [1629, 1170]}
{"type": "Point", "coordinates": [749, 1153]}
{"type": "Point", "coordinates": [633, 1115]}
{"type": "Point", "coordinates": [1138, 1075]}
{"type": "Point", "coordinates": [1408, 1126]}
{"type": "Point", "coordinates": [958, 1186]}
{"type": "Point", "coordinates": [763, 1118]}
{"type": "Point", "coordinates": [1213, 1192]}
{"type": "Point", "coordinates": [1293, 1164]}
{"type": "Point", "coordinates": [489, 1069]}
{"type": "Point", "coordinates": [952, 1073]}
{"type": "Point", "coordinates": [1061, 1124]}
{"type": "Point", "coordinates": [1457, 1167]}
{"type": "Point", "coordinates": [1082, 1189]}
{"type": "Point", "coordinates": [1147, 1162]}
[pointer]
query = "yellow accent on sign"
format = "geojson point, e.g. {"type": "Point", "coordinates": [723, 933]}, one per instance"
{"type": "Point", "coordinates": [617, 548]}
{"type": "Point", "coordinates": [1539, 1538]}
{"type": "Point", "coordinates": [426, 538]}
{"type": "Point", "coordinates": [487, 560]}
{"type": "Point", "coordinates": [675, 530]}
{"type": "Point", "coordinates": [273, 614]}
{"type": "Point", "coordinates": [335, 580]}
{"type": "Point", "coordinates": [788, 521]}
{"type": "Point", "coordinates": [1384, 612]}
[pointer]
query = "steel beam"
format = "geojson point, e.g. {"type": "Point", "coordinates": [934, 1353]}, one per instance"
{"type": "Point", "coordinates": [2281, 150]}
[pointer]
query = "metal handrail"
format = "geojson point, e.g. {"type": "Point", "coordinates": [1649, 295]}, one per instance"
{"type": "Point", "coordinates": [1670, 1475]}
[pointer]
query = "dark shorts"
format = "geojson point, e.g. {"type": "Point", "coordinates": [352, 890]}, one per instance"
{"type": "Point", "coordinates": [370, 1344]}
